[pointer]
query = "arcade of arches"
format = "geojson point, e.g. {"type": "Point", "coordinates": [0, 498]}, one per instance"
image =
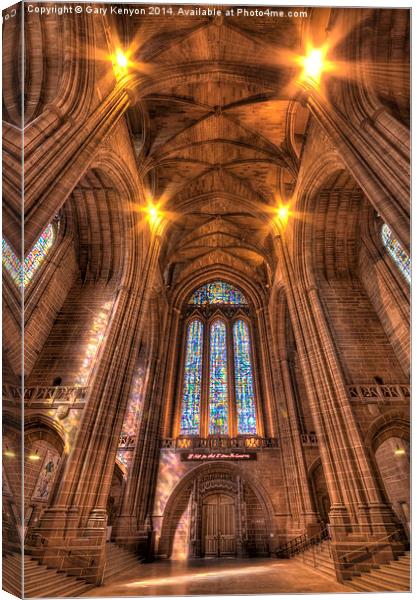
{"type": "Point", "coordinates": [216, 287]}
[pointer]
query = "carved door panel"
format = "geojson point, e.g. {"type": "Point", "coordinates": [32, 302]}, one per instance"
{"type": "Point", "coordinates": [219, 535]}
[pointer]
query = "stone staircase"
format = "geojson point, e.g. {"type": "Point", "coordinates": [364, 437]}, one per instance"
{"type": "Point", "coordinates": [39, 580]}
{"type": "Point", "coordinates": [12, 574]}
{"type": "Point", "coordinates": [318, 557]}
{"type": "Point", "coordinates": [392, 577]}
{"type": "Point", "coordinates": [119, 563]}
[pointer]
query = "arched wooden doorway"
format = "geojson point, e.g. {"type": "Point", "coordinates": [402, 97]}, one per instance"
{"type": "Point", "coordinates": [219, 526]}
{"type": "Point", "coordinates": [216, 510]}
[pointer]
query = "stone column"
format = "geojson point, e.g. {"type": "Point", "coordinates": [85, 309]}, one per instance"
{"type": "Point", "coordinates": [301, 508]}
{"type": "Point", "coordinates": [74, 527]}
{"type": "Point", "coordinates": [126, 530]}
{"type": "Point", "coordinates": [357, 512]}
{"type": "Point", "coordinates": [302, 503]}
{"type": "Point", "coordinates": [364, 151]}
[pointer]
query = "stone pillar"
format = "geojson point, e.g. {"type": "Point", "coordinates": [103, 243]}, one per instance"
{"type": "Point", "coordinates": [364, 151]}
{"type": "Point", "coordinates": [74, 526]}
{"type": "Point", "coordinates": [302, 505]}
{"type": "Point", "coordinates": [129, 530]}
{"type": "Point", "coordinates": [358, 513]}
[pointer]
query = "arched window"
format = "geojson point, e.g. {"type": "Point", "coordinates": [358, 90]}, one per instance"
{"type": "Point", "coordinates": [396, 251]}
{"type": "Point", "coordinates": [22, 275]}
{"type": "Point", "coordinates": [218, 391]}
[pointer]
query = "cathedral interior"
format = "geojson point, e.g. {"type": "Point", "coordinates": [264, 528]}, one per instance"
{"type": "Point", "coordinates": [215, 286]}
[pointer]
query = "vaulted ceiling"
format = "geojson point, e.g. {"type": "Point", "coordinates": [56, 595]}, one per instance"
{"type": "Point", "coordinates": [221, 146]}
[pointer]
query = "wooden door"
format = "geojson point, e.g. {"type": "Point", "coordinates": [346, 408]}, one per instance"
{"type": "Point", "coordinates": [219, 537]}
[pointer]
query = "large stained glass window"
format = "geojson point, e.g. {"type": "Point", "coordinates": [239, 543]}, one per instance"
{"type": "Point", "coordinates": [22, 275]}
{"type": "Point", "coordinates": [217, 292]}
{"type": "Point", "coordinates": [218, 379]}
{"type": "Point", "coordinates": [218, 399]}
{"type": "Point", "coordinates": [191, 398]}
{"type": "Point", "coordinates": [398, 254]}
{"type": "Point", "coordinates": [245, 395]}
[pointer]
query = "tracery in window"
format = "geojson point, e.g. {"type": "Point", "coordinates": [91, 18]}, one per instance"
{"type": "Point", "coordinates": [245, 395]}
{"type": "Point", "coordinates": [217, 292]}
{"type": "Point", "coordinates": [23, 274]}
{"type": "Point", "coordinates": [396, 251]}
{"type": "Point", "coordinates": [218, 400]}
{"type": "Point", "coordinates": [191, 398]}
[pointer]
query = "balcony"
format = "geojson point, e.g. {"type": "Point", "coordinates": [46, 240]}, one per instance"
{"type": "Point", "coordinates": [379, 393]}
{"type": "Point", "coordinates": [219, 443]}
{"type": "Point", "coordinates": [46, 396]}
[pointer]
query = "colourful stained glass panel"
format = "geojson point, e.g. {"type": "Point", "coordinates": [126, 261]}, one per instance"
{"type": "Point", "coordinates": [217, 292]}
{"type": "Point", "coordinates": [33, 260]}
{"type": "Point", "coordinates": [191, 397]}
{"type": "Point", "coordinates": [218, 409]}
{"type": "Point", "coordinates": [12, 264]}
{"type": "Point", "coordinates": [244, 386]}
{"type": "Point", "coordinates": [398, 254]}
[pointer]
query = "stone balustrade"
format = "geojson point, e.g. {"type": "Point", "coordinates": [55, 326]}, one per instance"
{"type": "Point", "coordinates": [46, 396]}
{"type": "Point", "coordinates": [219, 443]}
{"type": "Point", "coordinates": [379, 393]}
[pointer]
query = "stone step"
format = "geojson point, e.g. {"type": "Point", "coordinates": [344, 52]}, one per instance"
{"type": "Point", "coordinates": [389, 577]}
{"type": "Point", "coordinates": [12, 575]}
{"type": "Point", "coordinates": [41, 582]}
{"type": "Point", "coordinates": [119, 562]}
{"type": "Point", "coordinates": [121, 568]}
{"type": "Point", "coordinates": [369, 584]}
{"type": "Point", "coordinates": [70, 589]}
{"type": "Point", "coordinates": [392, 577]}
{"type": "Point", "coordinates": [44, 576]}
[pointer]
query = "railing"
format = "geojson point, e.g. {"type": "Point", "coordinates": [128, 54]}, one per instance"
{"type": "Point", "coordinates": [11, 392]}
{"type": "Point", "coordinates": [368, 550]}
{"type": "Point", "coordinates": [309, 439]}
{"type": "Point", "coordinates": [301, 543]}
{"type": "Point", "coordinates": [378, 393]}
{"type": "Point", "coordinates": [219, 443]}
{"type": "Point", "coordinates": [54, 395]}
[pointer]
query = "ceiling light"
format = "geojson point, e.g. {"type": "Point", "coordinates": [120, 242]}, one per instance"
{"type": "Point", "coordinates": [283, 213]}
{"type": "Point", "coordinates": [120, 63]}
{"type": "Point", "coordinates": [314, 64]}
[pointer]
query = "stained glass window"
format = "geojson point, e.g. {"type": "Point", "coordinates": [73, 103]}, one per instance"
{"type": "Point", "coordinates": [396, 251]}
{"type": "Point", "coordinates": [33, 260]}
{"type": "Point", "coordinates": [190, 417]}
{"type": "Point", "coordinates": [218, 409]}
{"type": "Point", "coordinates": [244, 386]}
{"type": "Point", "coordinates": [217, 292]}
{"type": "Point", "coordinates": [12, 264]}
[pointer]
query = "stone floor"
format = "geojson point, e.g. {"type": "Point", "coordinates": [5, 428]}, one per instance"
{"type": "Point", "coordinates": [220, 576]}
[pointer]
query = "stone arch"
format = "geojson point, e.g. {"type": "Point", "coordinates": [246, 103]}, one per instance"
{"type": "Point", "coordinates": [388, 439]}
{"type": "Point", "coordinates": [43, 427]}
{"type": "Point", "coordinates": [115, 497]}
{"type": "Point", "coordinates": [320, 492]}
{"type": "Point", "coordinates": [206, 274]}
{"type": "Point", "coordinates": [44, 459]}
{"type": "Point", "coordinates": [336, 222]}
{"type": "Point", "coordinates": [180, 498]}
{"type": "Point", "coordinates": [199, 71]}
{"type": "Point", "coordinates": [394, 422]}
